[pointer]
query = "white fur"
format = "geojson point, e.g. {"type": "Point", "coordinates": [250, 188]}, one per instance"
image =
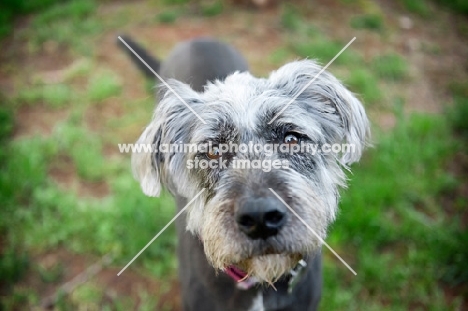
{"type": "Point", "coordinates": [257, 304]}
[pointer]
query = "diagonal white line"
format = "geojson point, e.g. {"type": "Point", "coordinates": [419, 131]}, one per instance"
{"type": "Point", "coordinates": [312, 230]}
{"type": "Point", "coordinates": [161, 79]}
{"type": "Point", "coordinates": [311, 81]}
{"type": "Point", "coordinates": [162, 230]}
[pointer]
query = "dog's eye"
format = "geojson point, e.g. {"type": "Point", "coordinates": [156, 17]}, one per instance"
{"type": "Point", "coordinates": [291, 139]}
{"type": "Point", "coordinates": [214, 153]}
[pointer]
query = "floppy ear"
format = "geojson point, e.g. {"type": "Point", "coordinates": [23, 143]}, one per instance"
{"type": "Point", "coordinates": [172, 122]}
{"type": "Point", "coordinates": [341, 114]}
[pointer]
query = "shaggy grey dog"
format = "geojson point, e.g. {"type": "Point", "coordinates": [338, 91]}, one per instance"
{"type": "Point", "coordinates": [240, 246]}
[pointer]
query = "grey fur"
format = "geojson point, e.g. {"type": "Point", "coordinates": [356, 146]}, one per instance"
{"type": "Point", "coordinates": [198, 61]}
{"type": "Point", "coordinates": [237, 108]}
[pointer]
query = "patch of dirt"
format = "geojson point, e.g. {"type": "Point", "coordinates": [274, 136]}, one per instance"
{"type": "Point", "coordinates": [129, 284]}
{"type": "Point", "coordinates": [52, 56]}
{"type": "Point", "coordinates": [37, 120]}
{"type": "Point", "coordinates": [63, 172]}
{"type": "Point", "coordinates": [97, 115]}
{"type": "Point", "coordinates": [436, 52]}
{"type": "Point", "coordinates": [382, 119]}
{"type": "Point", "coordinates": [16, 54]}
{"type": "Point", "coordinates": [108, 55]}
{"type": "Point", "coordinates": [453, 293]}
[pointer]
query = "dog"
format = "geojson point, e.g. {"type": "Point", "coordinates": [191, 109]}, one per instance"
{"type": "Point", "coordinates": [250, 238]}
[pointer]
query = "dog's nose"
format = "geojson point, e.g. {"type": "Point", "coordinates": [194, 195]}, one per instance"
{"type": "Point", "coordinates": [261, 218]}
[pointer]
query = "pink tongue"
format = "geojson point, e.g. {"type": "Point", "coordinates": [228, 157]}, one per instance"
{"type": "Point", "coordinates": [235, 273]}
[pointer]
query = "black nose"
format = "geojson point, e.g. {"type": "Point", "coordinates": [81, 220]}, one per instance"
{"type": "Point", "coordinates": [261, 218]}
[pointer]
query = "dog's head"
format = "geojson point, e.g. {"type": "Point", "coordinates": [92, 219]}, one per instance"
{"type": "Point", "coordinates": [239, 217]}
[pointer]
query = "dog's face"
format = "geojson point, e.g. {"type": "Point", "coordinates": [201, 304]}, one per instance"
{"type": "Point", "coordinates": [238, 218]}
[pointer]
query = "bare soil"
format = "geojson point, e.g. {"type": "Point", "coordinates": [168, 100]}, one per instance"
{"type": "Point", "coordinates": [129, 284]}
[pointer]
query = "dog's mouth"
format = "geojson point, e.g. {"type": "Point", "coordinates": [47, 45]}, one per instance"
{"type": "Point", "coordinates": [266, 262]}
{"type": "Point", "coordinates": [244, 281]}
{"type": "Point", "coordinates": [265, 268]}
{"type": "Point", "coordinates": [236, 273]}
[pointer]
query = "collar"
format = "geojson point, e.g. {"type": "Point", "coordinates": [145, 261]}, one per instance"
{"type": "Point", "coordinates": [245, 282]}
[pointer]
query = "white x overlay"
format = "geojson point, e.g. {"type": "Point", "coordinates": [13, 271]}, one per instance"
{"type": "Point", "coordinates": [312, 230]}
{"type": "Point", "coordinates": [203, 121]}
{"type": "Point", "coordinates": [160, 232]}
{"type": "Point", "coordinates": [311, 81]}
{"type": "Point", "coordinates": [162, 80]}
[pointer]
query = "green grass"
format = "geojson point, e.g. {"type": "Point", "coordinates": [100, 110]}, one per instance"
{"type": "Point", "coordinates": [39, 215]}
{"type": "Point", "coordinates": [9, 9]}
{"type": "Point", "coordinates": [52, 95]}
{"type": "Point", "coordinates": [119, 224]}
{"type": "Point", "coordinates": [212, 9]}
{"type": "Point", "coordinates": [418, 7]}
{"type": "Point", "coordinates": [57, 95]}
{"type": "Point", "coordinates": [459, 112]}
{"type": "Point", "coordinates": [47, 200]}
{"type": "Point", "coordinates": [5, 22]}
{"type": "Point", "coordinates": [174, 2]}
{"type": "Point", "coordinates": [279, 56]}
{"type": "Point", "coordinates": [79, 68]}
{"type": "Point", "coordinates": [290, 17]}
{"type": "Point", "coordinates": [459, 88]}
{"type": "Point", "coordinates": [390, 67]}
{"type": "Point", "coordinates": [51, 274]}
{"type": "Point", "coordinates": [66, 24]}
{"type": "Point", "coordinates": [167, 17]}
{"type": "Point", "coordinates": [91, 296]}
{"type": "Point", "coordinates": [84, 148]}
{"type": "Point", "coordinates": [74, 10]}
{"type": "Point", "coordinates": [387, 240]}
{"type": "Point", "coordinates": [368, 21]}
{"type": "Point", "coordinates": [459, 115]}
{"type": "Point", "coordinates": [365, 84]}
{"type": "Point", "coordinates": [103, 85]}
{"type": "Point", "coordinates": [14, 264]}
{"type": "Point", "coordinates": [14, 259]}
{"type": "Point", "coordinates": [125, 217]}
{"type": "Point", "coordinates": [6, 120]}
{"type": "Point", "coordinates": [459, 6]}
{"type": "Point", "coordinates": [306, 40]}
{"type": "Point", "coordinates": [325, 50]}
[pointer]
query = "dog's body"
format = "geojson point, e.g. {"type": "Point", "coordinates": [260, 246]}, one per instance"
{"type": "Point", "coordinates": [237, 223]}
